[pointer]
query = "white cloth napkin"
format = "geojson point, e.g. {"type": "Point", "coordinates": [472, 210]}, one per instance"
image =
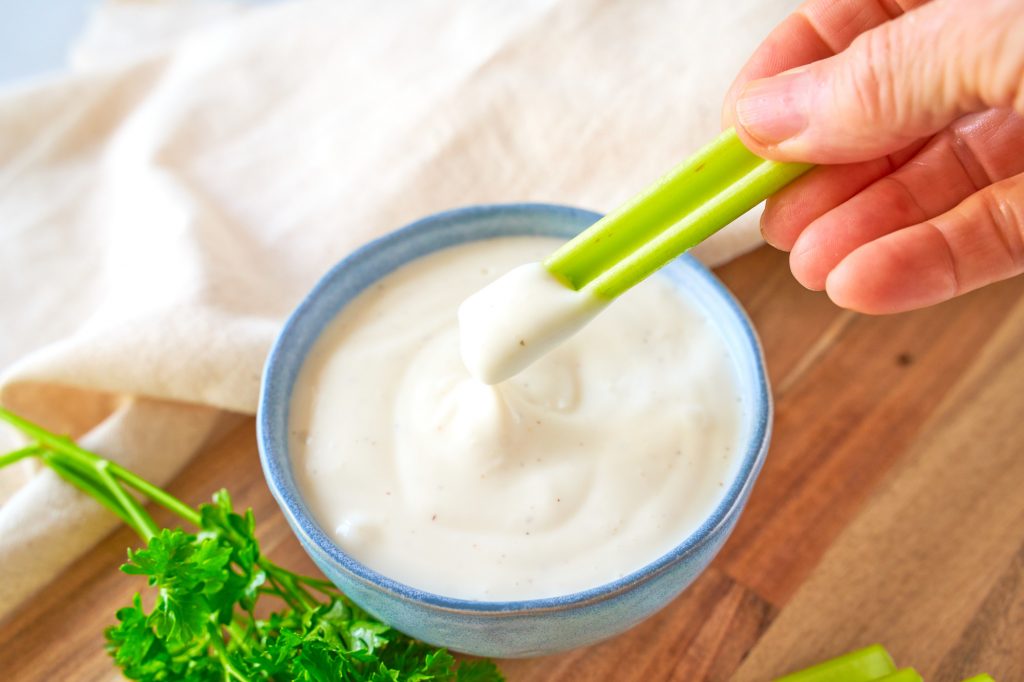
{"type": "Point", "coordinates": [165, 205]}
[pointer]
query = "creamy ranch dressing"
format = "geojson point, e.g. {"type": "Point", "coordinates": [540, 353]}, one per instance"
{"type": "Point", "coordinates": [592, 462]}
{"type": "Point", "coordinates": [517, 318]}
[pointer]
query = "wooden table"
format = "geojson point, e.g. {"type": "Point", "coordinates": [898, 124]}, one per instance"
{"type": "Point", "coordinates": [891, 509]}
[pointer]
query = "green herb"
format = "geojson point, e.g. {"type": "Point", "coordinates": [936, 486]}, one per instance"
{"type": "Point", "coordinates": [204, 623]}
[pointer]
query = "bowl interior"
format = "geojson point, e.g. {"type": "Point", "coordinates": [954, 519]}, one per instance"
{"type": "Point", "coordinates": [375, 260]}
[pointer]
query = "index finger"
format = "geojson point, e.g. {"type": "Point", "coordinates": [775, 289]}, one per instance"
{"type": "Point", "coordinates": [818, 29]}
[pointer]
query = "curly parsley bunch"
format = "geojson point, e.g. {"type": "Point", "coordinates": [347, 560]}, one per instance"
{"type": "Point", "coordinates": [204, 624]}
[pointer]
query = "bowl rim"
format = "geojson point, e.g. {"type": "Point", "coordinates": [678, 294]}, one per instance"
{"type": "Point", "coordinates": [269, 420]}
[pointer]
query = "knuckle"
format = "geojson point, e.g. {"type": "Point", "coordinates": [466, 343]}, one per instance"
{"type": "Point", "coordinates": [870, 78]}
{"type": "Point", "coordinates": [999, 69]}
{"type": "Point", "coordinates": [1003, 207]}
{"type": "Point", "coordinates": [772, 226]}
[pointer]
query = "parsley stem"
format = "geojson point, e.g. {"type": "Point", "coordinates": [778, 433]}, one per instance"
{"type": "Point", "coordinates": [89, 487]}
{"type": "Point", "coordinates": [305, 599]}
{"type": "Point", "coordinates": [218, 644]}
{"type": "Point", "coordinates": [71, 471]}
{"type": "Point", "coordinates": [237, 636]}
{"type": "Point", "coordinates": [331, 592]}
{"type": "Point", "coordinates": [146, 526]}
{"type": "Point", "coordinates": [309, 580]}
{"type": "Point", "coordinates": [24, 453]}
{"type": "Point", "coordinates": [156, 494]}
{"type": "Point", "coordinates": [282, 593]}
{"type": "Point", "coordinates": [44, 437]}
{"type": "Point", "coordinates": [71, 449]}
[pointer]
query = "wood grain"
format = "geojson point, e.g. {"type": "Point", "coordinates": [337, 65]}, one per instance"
{"type": "Point", "coordinates": [702, 635]}
{"type": "Point", "coordinates": [890, 509]}
{"type": "Point", "coordinates": [932, 565]}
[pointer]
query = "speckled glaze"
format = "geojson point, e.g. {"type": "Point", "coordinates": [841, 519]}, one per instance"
{"type": "Point", "coordinates": [504, 628]}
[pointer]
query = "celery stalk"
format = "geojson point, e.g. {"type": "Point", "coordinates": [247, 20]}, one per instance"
{"type": "Point", "coordinates": [904, 675]}
{"type": "Point", "coordinates": [702, 195]}
{"type": "Point", "coordinates": [865, 665]}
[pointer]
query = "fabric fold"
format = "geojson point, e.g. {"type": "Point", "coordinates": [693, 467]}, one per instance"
{"type": "Point", "coordinates": [165, 205]}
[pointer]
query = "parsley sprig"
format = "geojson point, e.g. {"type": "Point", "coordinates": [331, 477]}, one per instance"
{"type": "Point", "coordinates": [205, 624]}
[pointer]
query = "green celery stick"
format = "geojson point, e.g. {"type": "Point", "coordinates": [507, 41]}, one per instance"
{"type": "Point", "coordinates": [865, 665]}
{"type": "Point", "coordinates": [981, 678]}
{"type": "Point", "coordinates": [702, 195]}
{"type": "Point", "coordinates": [905, 675]}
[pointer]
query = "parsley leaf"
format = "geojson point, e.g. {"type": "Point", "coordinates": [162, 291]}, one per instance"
{"type": "Point", "coordinates": [209, 587]}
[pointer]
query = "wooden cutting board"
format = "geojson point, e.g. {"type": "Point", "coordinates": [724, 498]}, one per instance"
{"type": "Point", "coordinates": [891, 510]}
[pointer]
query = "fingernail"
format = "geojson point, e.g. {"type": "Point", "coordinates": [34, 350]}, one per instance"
{"type": "Point", "coordinates": [773, 110]}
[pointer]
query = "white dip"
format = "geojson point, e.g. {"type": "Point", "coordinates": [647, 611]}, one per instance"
{"type": "Point", "coordinates": [516, 319]}
{"type": "Point", "coordinates": [595, 460]}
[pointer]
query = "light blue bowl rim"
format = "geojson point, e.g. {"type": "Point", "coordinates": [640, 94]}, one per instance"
{"type": "Point", "coordinates": [273, 417]}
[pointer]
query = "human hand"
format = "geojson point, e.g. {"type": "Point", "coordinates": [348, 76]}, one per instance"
{"type": "Point", "coordinates": [918, 108]}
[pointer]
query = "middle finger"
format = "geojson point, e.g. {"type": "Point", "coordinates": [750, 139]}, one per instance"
{"type": "Point", "coordinates": [974, 152]}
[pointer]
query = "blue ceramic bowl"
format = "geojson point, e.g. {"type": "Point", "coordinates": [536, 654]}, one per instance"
{"type": "Point", "coordinates": [504, 628]}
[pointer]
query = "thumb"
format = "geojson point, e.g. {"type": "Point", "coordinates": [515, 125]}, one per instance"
{"type": "Point", "coordinates": [896, 83]}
